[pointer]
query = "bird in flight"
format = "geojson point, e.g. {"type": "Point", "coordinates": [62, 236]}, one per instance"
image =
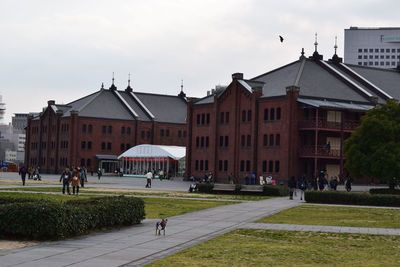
{"type": "Point", "coordinates": [281, 38]}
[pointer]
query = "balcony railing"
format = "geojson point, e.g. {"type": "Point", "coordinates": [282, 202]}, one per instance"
{"type": "Point", "coordinates": [322, 152]}
{"type": "Point", "coordinates": [348, 125]}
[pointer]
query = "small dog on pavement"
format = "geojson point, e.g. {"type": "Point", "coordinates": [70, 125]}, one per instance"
{"type": "Point", "coordinates": [160, 226]}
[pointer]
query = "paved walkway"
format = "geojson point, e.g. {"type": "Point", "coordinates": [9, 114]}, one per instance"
{"type": "Point", "coordinates": [322, 228]}
{"type": "Point", "coordinates": [138, 245]}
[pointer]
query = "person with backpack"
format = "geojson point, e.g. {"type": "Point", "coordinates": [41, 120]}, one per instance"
{"type": "Point", "coordinates": [66, 179]}
{"type": "Point", "coordinates": [76, 181]}
{"type": "Point", "coordinates": [302, 186]}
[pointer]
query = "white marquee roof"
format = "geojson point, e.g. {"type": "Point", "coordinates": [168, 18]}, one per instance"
{"type": "Point", "coordinates": [154, 151]}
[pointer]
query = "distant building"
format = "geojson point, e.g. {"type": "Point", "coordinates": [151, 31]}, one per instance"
{"type": "Point", "coordinates": [10, 155]}
{"type": "Point", "coordinates": [93, 130]}
{"type": "Point", "coordinates": [373, 47]}
{"type": "Point", "coordinates": [19, 120]}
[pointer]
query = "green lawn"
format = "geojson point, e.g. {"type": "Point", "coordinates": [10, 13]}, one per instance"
{"type": "Point", "coordinates": [337, 216]}
{"type": "Point", "coordinates": [142, 193]}
{"type": "Point", "coordinates": [245, 247]}
{"type": "Point", "coordinates": [154, 207]}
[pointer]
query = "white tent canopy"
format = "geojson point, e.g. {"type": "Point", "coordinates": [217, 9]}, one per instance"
{"type": "Point", "coordinates": [155, 151]}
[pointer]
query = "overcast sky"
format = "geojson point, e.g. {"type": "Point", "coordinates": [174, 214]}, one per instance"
{"type": "Point", "coordinates": [63, 50]}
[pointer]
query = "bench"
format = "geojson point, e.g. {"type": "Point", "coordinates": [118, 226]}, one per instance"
{"type": "Point", "coordinates": [224, 187]}
{"type": "Point", "coordinates": [252, 188]}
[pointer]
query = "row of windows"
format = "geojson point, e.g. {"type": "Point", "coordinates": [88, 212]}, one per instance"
{"type": "Point", "coordinates": [125, 147]}
{"type": "Point", "coordinates": [88, 127]}
{"type": "Point", "coordinates": [224, 117]}
{"type": "Point", "coordinates": [271, 140]}
{"type": "Point", "coordinates": [377, 50]}
{"type": "Point", "coordinates": [225, 165]}
{"type": "Point", "coordinates": [83, 145]}
{"type": "Point", "coordinates": [271, 113]}
{"type": "Point", "coordinates": [377, 57]}
{"type": "Point", "coordinates": [64, 144]}
{"type": "Point", "coordinates": [104, 129]}
{"type": "Point", "coordinates": [244, 117]}
{"type": "Point", "coordinates": [200, 141]}
{"type": "Point", "coordinates": [88, 163]}
{"type": "Point", "coordinates": [64, 128]}
{"type": "Point", "coordinates": [128, 130]}
{"type": "Point", "coordinates": [35, 130]}
{"type": "Point", "coordinates": [203, 119]}
{"type": "Point", "coordinates": [34, 145]}
{"type": "Point", "coordinates": [270, 166]}
{"type": "Point", "coordinates": [201, 165]}
{"type": "Point", "coordinates": [63, 162]}
{"type": "Point", "coordinates": [376, 63]}
{"type": "Point", "coordinates": [244, 140]}
{"type": "Point", "coordinates": [221, 141]}
{"type": "Point", "coordinates": [103, 146]}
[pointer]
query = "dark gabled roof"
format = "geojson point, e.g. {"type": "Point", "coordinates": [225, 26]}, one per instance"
{"type": "Point", "coordinates": [165, 108]}
{"type": "Point", "coordinates": [205, 100]}
{"type": "Point", "coordinates": [105, 105]}
{"type": "Point", "coordinates": [143, 116]}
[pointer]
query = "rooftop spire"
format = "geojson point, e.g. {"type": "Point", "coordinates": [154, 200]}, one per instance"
{"type": "Point", "coordinates": [181, 85]}
{"type": "Point", "coordinates": [335, 46]}
{"type": "Point", "coordinates": [302, 54]}
{"type": "Point", "coordinates": [113, 87]}
{"type": "Point", "coordinates": [102, 86]}
{"type": "Point", "coordinates": [182, 94]}
{"type": "Point", "coordinates": [316, 42]}
{"type": "Point", "coordinates": [129, 88]}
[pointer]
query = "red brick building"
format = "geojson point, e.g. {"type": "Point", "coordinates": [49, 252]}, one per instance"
{"type": "Point", "coordinates": [93, 130]}
{"type": "Point", "coordinates": [286, 122]}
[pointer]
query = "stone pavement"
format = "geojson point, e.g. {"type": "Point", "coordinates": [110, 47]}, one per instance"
{"type": "Point", "coordinates": [138, 245]}
{"type": "Point", "coordinates": [321, 228]}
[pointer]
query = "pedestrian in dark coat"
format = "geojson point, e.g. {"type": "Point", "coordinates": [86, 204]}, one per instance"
{"type": "Point", "coordinates": [66, 179]}
{"type": "Point", "coordinates": [292, 186]}
{"type": "Point", "coordinates": [22, 172]}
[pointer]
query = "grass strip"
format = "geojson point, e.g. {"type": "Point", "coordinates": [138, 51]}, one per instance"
{"type": "Point", "coordinates": [247, 247]}
{"type": "Point", "coordinates": [337, 216]}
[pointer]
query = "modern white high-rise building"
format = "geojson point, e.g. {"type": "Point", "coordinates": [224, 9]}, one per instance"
{"type": "Point", "coordinates": [373, 47]}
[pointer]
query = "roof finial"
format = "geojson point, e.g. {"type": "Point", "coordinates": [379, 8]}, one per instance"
{"type": "Point", "coordinates": [316, 42]}
{"type": "Point", "coordinates": [102, 85]}
{"type": "Point", "coordinates": [129, 88]}
{"type": "Point", "coordinates": [113, 87]}
{"type": "Point", "coordinates": [302, 54]}
{"type": "Point", "coordinates": [335, 47]}
{"type": "Point", "coordinates": [181, 85]}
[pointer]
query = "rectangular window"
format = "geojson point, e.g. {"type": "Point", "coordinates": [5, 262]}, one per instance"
{"type": "Point", "coordinates": [208, 118]}
{"type": "Point", "coordinates": [110, 129]}
{"type": "Point", "coordinates": [128, 131]}
{"type": "Point", "coordinates": [184, 134]}
{"type": "Point", "coordinates": [264, 166]}
{"type": "Point", "coordinates": [278, 114]}
{"type": "Point", "coordinates": [227, 117]}
{"type": "Point", "coordinates": [272, 114]}
{"type": "Point", "coordinates": [83, 145]}
{"type": "Point", "coordinates": [247, 165]}
{"type": "Point", "coordinates": [220, 165]}
{"type": "Point", "coordinates": [371, 50]}
{"type": "Point", "coordinates": [207, 141]}
{"type": "Point", "coordinates": [142, 134]}
{"type": "Point", "coordinates": [88, 163]}
{"type": "Point", "coordinates": [179, 133]}
{"type": "Point", "coordinates": [266, 114]}
{"type": "Point", "coordinates": [206, 165]}
{"type": "Point", "coordinates": [359, 50]}
{"type": "Point", "coordinates": [221, 141]}
{"type": "Point", "coordinates": [103, 129]}
{"type": "Point", "coordinates": [242, 165]}
{"type": "Point", "coordinates": [226, 141]}
{"type": "Point", "coordinates": [148, 134]}
{"type": "Point", "coordinates": [122, 130]}
{"type": "Point", "coordinates": [162, 132]}
{"type": "Point", "coordinates": [197, 141]}
{"type": "Point", "coordinates": [278, 140]}
{"type": "Point", "coordinates": [108, 146]}
{"type": "Point", "coordinates": [167, 132]}
{"type": "Point", "coordinates": [334, 116]}
{"type": "Point", "coordinates": [225, 165]}
{"type": "Point", "coordinates": [90, 128]}
{"type": "Point", "coordinates": [84, 128]}
{"type": "Point", "coordinates": [277, 166]}
{"type": "Point", "coordinates": [265, 143]}
{"type": "Point", "coordinates": [198, 119]}
{"type": "Point", "coordinates": [203, 118]}
{"type": "Point", "coordinates": [103, 146]}
{"type": "Point", "coordinates": [89, 145]}
{"type": "Point", "coordinates": [243, 140]}
{"type": "Point", "coordinates": [243, 115]}
{"type": "Point", "coordinates": [196, 165]}
{"type": "Point", "coordinates": [222, 117]}
{"type": "Point", "coordinates": [201, 165]}
{"type": "Point", "coordinates": [249, 115]}
{"type": "Point", "coordinates": [271, 139]}
{"type": "Point", "coordinates": [202, 141]}
{"type": "Point", "coordinates": [271, 166]}
{"type": "Point", "coordinates": [122, 147]}
{"type": "Point", "coordinates": [249, 140]}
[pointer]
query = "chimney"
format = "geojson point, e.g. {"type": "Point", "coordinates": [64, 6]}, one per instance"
{"type": "Point", "coordinates": [51, 102]}
{"type": "Point", "coordinates": [237, 76]}
{"type": "Point", "coordinates": [212, 91]}
{"type": "Point", "coordinates": [208, 93]}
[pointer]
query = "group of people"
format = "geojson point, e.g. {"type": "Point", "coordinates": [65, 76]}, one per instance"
{"type": "Point", "coordinates": [33, 173]}
{"type": "Point", "coordinates": [76, 176]}
{"type": "Point", "coordinates": [151, 174]}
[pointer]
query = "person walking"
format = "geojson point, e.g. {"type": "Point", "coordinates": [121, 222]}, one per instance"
{"type": "Point", "coordinates": [149, 176]}
{"type": "Point", "coordinates": [76, 181]}
{"type": "Point", "coordinates": [66, 179]}
{"type": "Point", "coordinates": [302, 186]}
{"type": "Point", "coordinates": [22, 172]}
{"type": "Point", "coordinates": [292, 186]}
{"type": "Point", "coordinates": [83, 175]}
{"type": "Point", "coordinates": [99, 174]}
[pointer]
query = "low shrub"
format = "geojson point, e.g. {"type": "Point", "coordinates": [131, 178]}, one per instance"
{"type": "Point", "coordinates": [54, 220]}
{"type": "Point", "coordinates": [275, 190]}
{"type": "Point", "coordinates": [205, 188]}
{"type": "Point", "coordinates": [384, 191]}
{"type": "Point", "coordinates": [336, 197]}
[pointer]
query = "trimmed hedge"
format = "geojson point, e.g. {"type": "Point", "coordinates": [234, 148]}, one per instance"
{"type": "Point", "coordinates": [205, 188]}
{"type": "Point", "coordinates": [275, 190]}
{"type": "Point", "coordinates": [335, 197]}
{"type": "Point", "coordinates": [44, 219]}
{"type": "Point", "coordinates": [384, 191]}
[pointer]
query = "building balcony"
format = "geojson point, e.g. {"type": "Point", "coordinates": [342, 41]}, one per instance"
{"type": "Point", "coordinates": [322, 152]}
{"type": "Point", "coordinates": [323, 124]}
